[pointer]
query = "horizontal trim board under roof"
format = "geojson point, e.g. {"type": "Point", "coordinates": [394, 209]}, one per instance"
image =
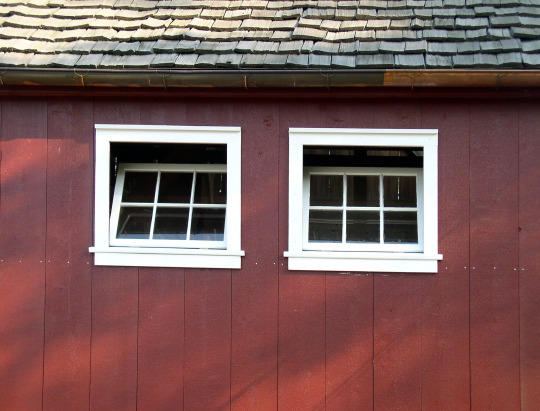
{"type": "Point", "coordinates": [267, 78]}
{"type": "Point", "coordinates": [274, 93]}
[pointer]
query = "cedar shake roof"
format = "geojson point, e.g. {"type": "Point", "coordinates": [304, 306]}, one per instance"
{"type": "Point", "coordinates": [257, 34]}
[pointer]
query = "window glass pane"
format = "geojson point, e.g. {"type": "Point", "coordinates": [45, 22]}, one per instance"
{"type": "Point", "coordinates": [399, 191]}
{"type": "Point", "coordinates": [325, 226]}
{"type": "Point", "coordinates": [363, 191]}
{"type": "Point", "coordinates": [134, 222]}
{"type": "Point", "coordinates": [171, 223]}
{"type": "Point", "coordinates": [175, 187]}
{"type": "Point", "coordinates": [326, 190]}
{"type": "Point", "coordinates": [208, 224]}
{"type": "Point", "coordinates": [400, 227]}
{"type": "Point", "coordinates": [363, 226]}
{"type": "Point", "coordinates": [211, 188]}
{"type": "Point", "coordinates": [139, 187]}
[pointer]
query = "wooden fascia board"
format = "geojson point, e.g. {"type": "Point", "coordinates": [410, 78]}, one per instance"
{"type": "Point", "coordinates": [248, 79]}
{"type": "Point", "coordinates": [462, 78]}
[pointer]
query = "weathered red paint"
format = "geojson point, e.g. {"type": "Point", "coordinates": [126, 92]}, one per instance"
{"type": "Point", "coordinates": [445, 296]}
{"type": "Point", "coordinates": [255, 287]}
{"type": "Point", "coordinates": [494, 292]}
{"type": "Point", "coordinates": [529, 255]}
{"type": "Point", "coordinates": [22, 251]}
{"type": "Point", "coordinates": [66, 383]}
{"type": "Point", "coordinates": [160, 352]}
{"type": "Point", "coordinates": [76, 336]}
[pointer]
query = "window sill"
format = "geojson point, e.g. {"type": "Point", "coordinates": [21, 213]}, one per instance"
{"type": "Point", "coordinates": [167, 257]}
{"type": "Point", "coordinates": [363, 262]}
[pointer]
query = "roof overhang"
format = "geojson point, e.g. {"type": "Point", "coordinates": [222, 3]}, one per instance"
{"type": "Point", "coordinates": [267, 78]}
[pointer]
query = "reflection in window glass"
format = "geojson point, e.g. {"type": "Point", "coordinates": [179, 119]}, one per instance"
{"type": "Point", "coordinates": [325, 225]}
{"type": "Point", "coordinates": [326, 190]}
{"type": "Point", "coordinates": [211, 188]}
{"type": "Point", "coordinates": [363, 227]}
{"type": "Point", "coordinates": [399, 191]}
{"type": "Point", "coordinates": [171, 223]}
{"type": "Point", "coordinates": [134, 222]}
{"type": "Point", "coordinates": [208, 224]}
{"type": "Point", "coordinates": [139, 187]}
{"type": "Point", "coordinates": [400, 227]}
{"type": "Point", "coordinates": [175, 187]}
{"type": "Point", "coordinates": [363, 191]}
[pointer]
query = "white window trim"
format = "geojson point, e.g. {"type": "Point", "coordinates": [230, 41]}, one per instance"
{"type": "Point", "coordinates": [321, 246]}
{"type": "Point", "coordinates": [425, 261]}
{"type": "Point", "coordinates": [105, 254]}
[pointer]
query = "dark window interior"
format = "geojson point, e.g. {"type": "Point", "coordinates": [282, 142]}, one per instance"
{"type": "Point", "coordinates": [163, 153]}
{"type": "Point", "coordinates": [345, 156]}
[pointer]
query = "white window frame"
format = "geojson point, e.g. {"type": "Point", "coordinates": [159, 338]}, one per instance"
{"type": "Point", "coordinates": [163, 168]}
{"type": "Point", "coordinates": [149, 256]}
{"type": "Point", "coordinates": [364, 171]}
{"type": "Point", "coordinates": [334, 258]}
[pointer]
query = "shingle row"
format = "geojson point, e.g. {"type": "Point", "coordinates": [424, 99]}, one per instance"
{"type": "Point", "coordinates": [207, 18]}
{"type": "Point", "coordinates": [232, 60]}
{"type": "Point", "coordinates": [299, 33]}
{"type": "Point", "coordinates": [268, 47]}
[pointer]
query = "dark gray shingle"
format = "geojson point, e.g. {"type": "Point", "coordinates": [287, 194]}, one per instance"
{"type": "Point", "coordinates": [306, 33]}
{"type": "Point", "coordinates": [415, 61]}
{"type": "Point", "coordinates": [319, 61]}
{"type": "Point", "coordinates": [438, 62]}
{"type": "Point", "coordinates": [186, 60]}
{"type": "Point", "coordinates": [343, 61]}
{"type": "Point", "coordinates": [509, 60]}
{"type": "Point", "coordinates": [531, 60]}
{"type": "Point", "coordinates": [272, 34]}
{"type": "Point", "coordinates": [297, 60]}
{"type": "Point", "coordinates": [375, 61]}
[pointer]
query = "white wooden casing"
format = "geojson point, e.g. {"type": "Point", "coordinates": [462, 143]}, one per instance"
{"type": "Point", "coordinates": [105, 254]}
{"type": "Point", "coordinates": [424, 261]}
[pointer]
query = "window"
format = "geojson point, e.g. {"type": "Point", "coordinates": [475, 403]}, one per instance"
{"type": "Point", "coordinates": [361, 209]}
{"type": "Point", "coordinates": [363, 200]}
{"type": "Point", "coordinates": [167, 196]}
{"type": "Point", "coordinates": [169, 205]}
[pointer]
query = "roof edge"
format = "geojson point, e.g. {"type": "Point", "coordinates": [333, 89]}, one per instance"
{"type": "Point", "coordinates": [266, 78]}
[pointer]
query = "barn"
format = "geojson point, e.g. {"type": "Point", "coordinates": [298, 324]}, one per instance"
{"type": "Point", "coordinates": [262, 205]}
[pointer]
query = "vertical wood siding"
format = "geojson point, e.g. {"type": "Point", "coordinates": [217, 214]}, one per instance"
{"type": "Point", "coordinates": [23, 220]}
{"type": "Point", "coordinates": [529, 254]}
{"type": "Point", "coordinates": [68, 269]}
{"type": "Point", "coordinates": [77, 336]}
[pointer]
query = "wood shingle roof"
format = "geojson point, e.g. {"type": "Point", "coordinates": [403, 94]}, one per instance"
{"type": "Point", "coordinates": [238, 34]}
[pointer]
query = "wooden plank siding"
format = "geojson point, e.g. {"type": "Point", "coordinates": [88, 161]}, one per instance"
{"type": "Point", "coordinates": [445, 296]}
{"type": "Point", "coordinates": [68, 278]}
{"type": "Point", "coordinates": [78, 336]}
{"type": "Point", "coordinates": [23, 237]}
{"type": "Point", "coordinates": [529, 255]}
{"type": "Point", "coordinates": [494, 279]}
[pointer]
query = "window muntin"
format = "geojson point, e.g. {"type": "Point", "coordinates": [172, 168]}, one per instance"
{"type": "Point", "coordinates": [169, 205]}
{"type": "Point", "coordinates": [362, 209]}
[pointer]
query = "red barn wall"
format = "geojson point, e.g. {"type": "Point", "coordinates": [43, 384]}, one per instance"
{"type": "Point", "coordinates": [75, 336]}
